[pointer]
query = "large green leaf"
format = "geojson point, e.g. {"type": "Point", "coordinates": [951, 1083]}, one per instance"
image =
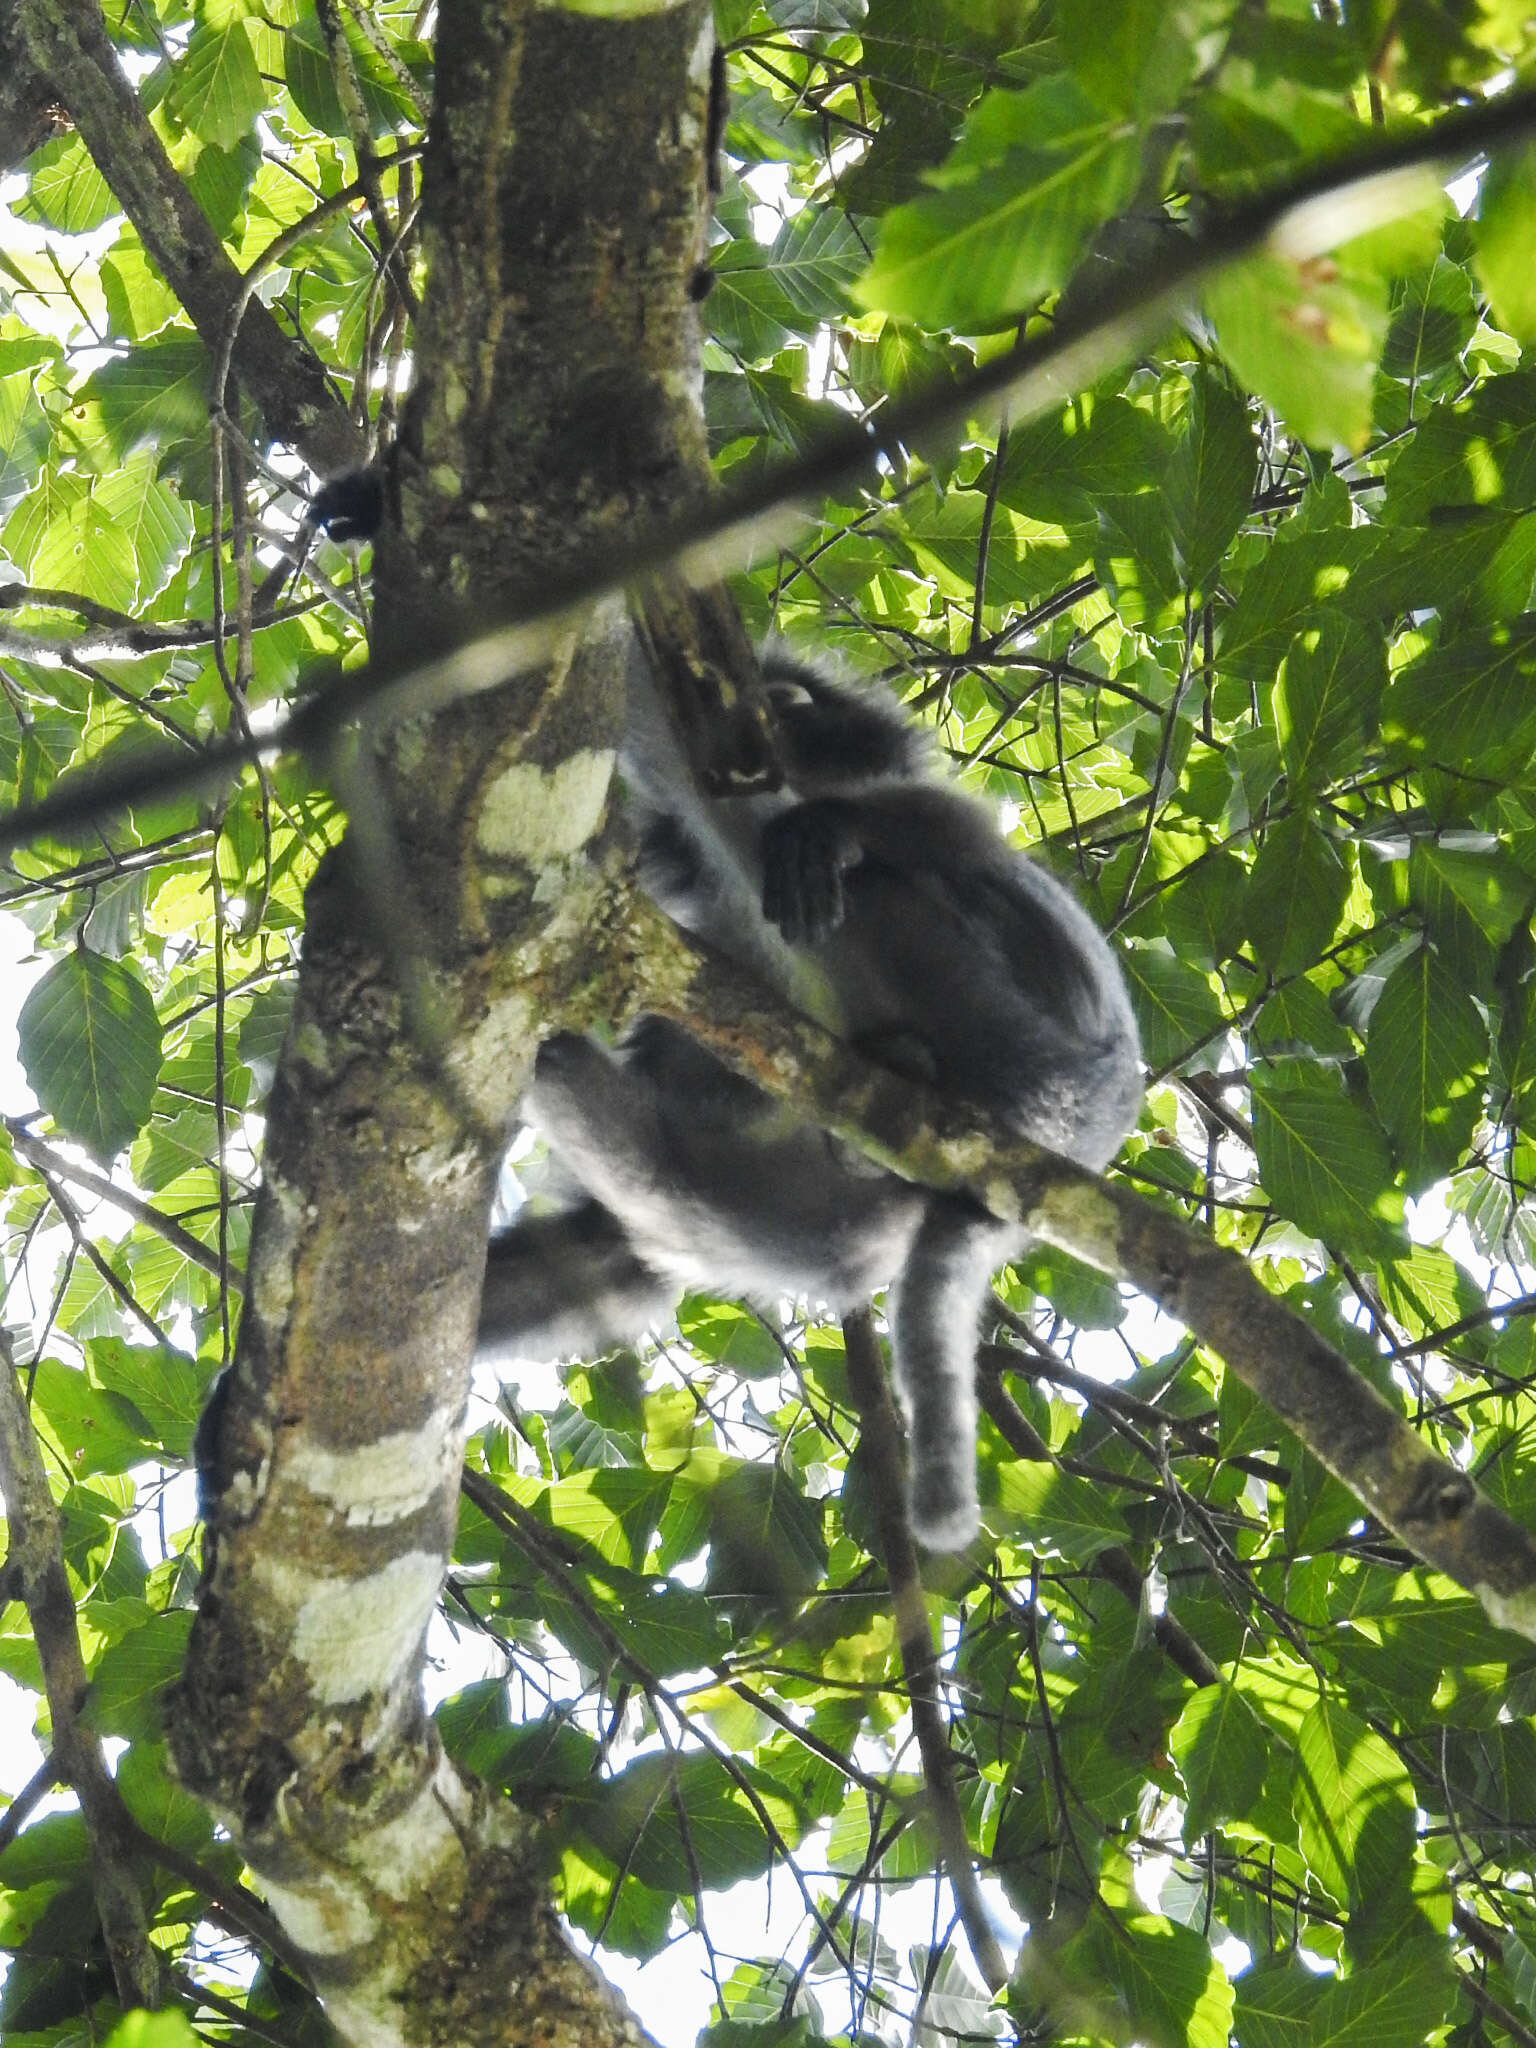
{"type": "Point", "coordinates": [156, 393]}
{"type": "Point", "coordinates": [217, 90]}
{"type": "Point", "coordinates": [1137, 56]}
{"type": "Point", "coordinates": [1163, 1975]}
{"type": "Point", "coordinates": [1221, 1752]}
{"type": "Point", "coordinates": [90, 1043]}
{"type": "Point", "coordinates": [1470, 701]}
{"type": "Point", "coordinates": [1176, 1007]}
{"type": "Point", "coordinates": [1032, 175]}
{"type": "Point", "coordinates": [1296, 894]}
{"type": "Point", "coordinates": [155, 522]}
{"type": "Point", "coordinates": [87, 552]}
{"type": "Point", "coordinates": [667, 1818]}
{"type": "Point", "coordinates": [1397, 2003]}
{"type": "Point", "coordinates": [1054, 1511]}
{"type": "Point", "coordinates": [1325, 1164]}
{"type": "Point", "coordinates": [1355, 1806]}
{"type": "Point", "coordinates": [65, 189]}
{"type": "Point", "coordinates": [1209, 482]}
{"type": "Point", "coordinates": [1426, 1054]}
{"type": "Point", "coordinates": [1306, 336]}
{"type": "Point", "coordinates": [1325, 696]}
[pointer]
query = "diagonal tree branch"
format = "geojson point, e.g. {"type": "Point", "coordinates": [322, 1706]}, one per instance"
{"type": "Point", "coordinates": [37, 1554]}
{"type": "Point", "coordinates": [66, 41]}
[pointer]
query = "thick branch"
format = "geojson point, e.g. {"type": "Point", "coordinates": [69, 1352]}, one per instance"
{"type": "Point", "coordinates": [336, 1445]}
{"type": "Point", "coordinates": [37, 1553]}
{"type": "Point", "coordinates": [1436, 1509]}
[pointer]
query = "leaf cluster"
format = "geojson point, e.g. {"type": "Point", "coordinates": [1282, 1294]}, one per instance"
{"type": "Point", "coordinates": [1240, 640]}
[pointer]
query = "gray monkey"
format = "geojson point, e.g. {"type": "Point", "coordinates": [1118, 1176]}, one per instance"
{"type": "Point", "coordinates": [875, 897]}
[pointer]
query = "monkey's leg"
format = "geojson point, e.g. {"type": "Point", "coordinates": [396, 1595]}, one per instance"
{"type": "Point", "coordinates": [566, 1284]}
{"type": "Point", "coordinates": [933, 1343]}
{"type": "Point", "coordinates": [599, 1118]}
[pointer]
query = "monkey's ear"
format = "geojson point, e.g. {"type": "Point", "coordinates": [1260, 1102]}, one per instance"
{"type": "Point", "coordinates": [350, 507]}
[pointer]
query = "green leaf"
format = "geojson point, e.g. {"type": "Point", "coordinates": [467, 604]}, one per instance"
{"type": "Point", "coordinates": [152, 2030]}
{"type": "Point", "coordinates": [615, 1509]}
{"type": "Point", "coordinates": [1176, 1007]}
{"type": "Point", "coordinates": [1208, 486]}
{"type": "Point", "coordinates": [153, 520]}
{"type": "Point", "coordinates": [1506, 204]}
{"type": "Point", "coordinates": [1469, 703]}
{"type": "Point", "coordinates": [815, 258]}
{"type": "Point", "coordinates": [307, 71]}
{"type": "Point", "coordinates": [1426, 1054]}
{"type": "Point", "coordinates": [1059, 466]}
{"type": "Point", "coordinates": [1054, 1511]}
{"type": "Point", "coordinates": [1137, 56]}
{"type": "Point", "coordinates": [765, 1536]}
{"type": "Point", "coordinates": [1031, 176]}
{"type": "Point", "coordinates": [1432, 322]}
{"type": "Point", "coordinates": [1296, 894]}
{"type": "Point", "coordinates": [638, 1816]}
{"type": "Point", "coordinates": [217, 90]}
{"type": "Point", "coordinates": [1471, 457]}
{"type": "Point", "coordinates": [1399, 2002]}
{"type": "Point", "coordinates": [166, 1387]}
{"type": "Point", "coordinates": [158, 393]}
{"type": "Point", "coordinates": [1325, 697]}
{"type": "Point", "coordinates": [86, 552]}
{"type": "Point", "coordinates": [1221, 1751]}
{"type": "Point", "coordinates": [1305, 336]}
{"type": "Point", "coordinates": [90, 1044]}
{"type": "Point", "coordinates": [1355, 1804]}
{"type": "Point", "coordinates": [1308, 580]}
{"type": "Point", "coordinates": [1325, 1164]}
{"type": "Point", "coordinates": [1297, 1022]}
{"type": "Point", "coordinates": [65, 189]}
{"type": "Point", "coordinates": [1484, 888]}
{"type": "Point", "coordinates": [1173, 1988]}
{"type": "Point", "coordinates": [87, 1430]}
{"type": "Point", "coordinates": [129, 1680]}
{"type": "Point", "coordinates": [1134, 559]}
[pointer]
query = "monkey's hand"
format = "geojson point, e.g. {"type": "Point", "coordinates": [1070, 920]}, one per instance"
{"type": "Point", "coordinates": [806, 852]}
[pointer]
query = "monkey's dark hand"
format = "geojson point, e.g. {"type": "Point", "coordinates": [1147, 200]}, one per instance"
{"type": "Point", "coordinates": [806, 852]}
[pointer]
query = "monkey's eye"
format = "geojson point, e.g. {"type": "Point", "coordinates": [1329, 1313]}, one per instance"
{"type": "Point", "coordinates": [788, 696]}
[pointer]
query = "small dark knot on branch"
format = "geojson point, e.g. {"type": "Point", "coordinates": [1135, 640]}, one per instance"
{"type": "Point", "coordinates": [1443, 1499]}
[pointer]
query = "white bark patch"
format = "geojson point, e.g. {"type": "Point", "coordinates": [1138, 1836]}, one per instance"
{"type": "Point", "coordinates": [272, 1273]}
{"type": "Point", "coordinates": [369, 2012]}
{"type": "Point", "coordinates": [326, 1918]}
{"type": "Point", "coordinates": [386, 1480]}
{"type": "Point", "coordinates": [357, 1636]}
{"type": "Point", "coordinates": [424, 1845]}
{"type": "Point", "coordinates": [533, 816]}
{"type": "Point", "coordinates": [1081, 1221]}
{"type": "Point", "coordinates": [612, 10]}
{"type": "Point", "coordinates": [1515, 1611]}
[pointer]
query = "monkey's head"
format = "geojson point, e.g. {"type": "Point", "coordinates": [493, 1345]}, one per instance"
{"type": "Point", "coordinates": [831, 734]}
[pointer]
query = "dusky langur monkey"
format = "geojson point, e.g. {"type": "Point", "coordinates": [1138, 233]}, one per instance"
{"type": "Point", "coordinates": [875, 897]}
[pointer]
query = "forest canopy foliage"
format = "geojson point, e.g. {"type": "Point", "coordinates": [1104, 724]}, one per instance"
{"type": "Point", "coordinates": [1241, 640]}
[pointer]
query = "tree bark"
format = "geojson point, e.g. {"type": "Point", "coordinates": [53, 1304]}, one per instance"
{"type": "Point", "coordinates": [564, 195]}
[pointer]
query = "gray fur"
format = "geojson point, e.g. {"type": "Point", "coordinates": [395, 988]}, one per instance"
{"type": "Point", "coordinates": [878, 899]}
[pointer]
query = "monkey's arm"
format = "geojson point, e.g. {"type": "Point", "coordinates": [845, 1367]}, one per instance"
{"type": "Point", "coordinates": [566, 1285]}
{"type": "Point", "coordinates": [905, 828]}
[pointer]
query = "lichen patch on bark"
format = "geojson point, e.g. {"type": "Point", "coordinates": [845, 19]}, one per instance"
{"type": "Point", "coordinates": [382, 1482]}
{"type": "Point", "coordinates": [356, 1635]}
